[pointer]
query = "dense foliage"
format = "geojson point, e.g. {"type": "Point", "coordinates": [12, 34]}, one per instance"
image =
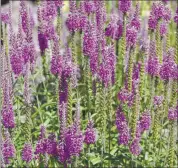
{"type": "Point", "coordinates": [105, 96]}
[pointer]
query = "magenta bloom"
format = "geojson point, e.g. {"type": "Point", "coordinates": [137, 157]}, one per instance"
{"type": "Point", "coordinates": [145, 121]}
{"type": "Point", "coordinates": [124, 137]}
{"type": "Point", "coordinates": [152, 22]}
{"type": "Point", "coordinates": [114, 30]}
{"type": "Point", "coordinates": [168, 69]}
{"type": "Point", "coordinates": [75, 22]}
{"type": "Point", "coordinates": [5, 17]}
{"type": "Point", "coordinates": [69, 68]}
{"type": "Point", "coordinates": [49, 11]}
{"type": "Point", "coordinates": [16, 63]}
{"type": "Point", "coordinates": [167, 14]}
{"type": "Point", "coordinates": [173, 113]}
{"type": "Point", "coordinates": [8, 117]}
{"type": "Point", "coordinates": [90, 134]}
{"type": "Point", "coordinates": [94, 62]}
{"type": "Point", "coordinates": [23, 13]}
{"type": "Point", "coordinates": [158, 100]}
{"type": "Point", "coordinates": [89, 40]}
{"type": "Point", "coordinates": [123, 95]}
{"type": "Point", "coordinates": [176, 17]}
{"type": "Point", "coordinates": [63, 155]}
{"type": "Point", "coordinates": [104, 73]}
{"type": "Point", "coordinates": [58, 3]}
{"type": "Point", "coordinates": [56, 65]}
{"type": "Point", "coordinates": [153, 62]}
{"type": "Point", "coordinates": [158, 10]}
{"type": "Point", "coordinates": [107, 67]}
{"type": "Point", "coordinates": [131, 36]}
{"type": "Point", "coordinates": [57, 61]}
{"type": "Point", "coordinates": [48, 30]}
{"type": "Point", "coordinates": [121, 123]}
{"type": "Point", "coordinates": [124, 5]}
{"type": "Point", "coordinates": [163, 29]}
{"type": "Point", "coordinates": [153, 66]}
{"type": "Point", "coordinates": [89, 7]}
{"type": "Point", "coordinates": [40, 148]}
{"type": "Point", "coordinates": [27, 153]}
{"type": "Point", "coordinates": [135, 147]}
{"type": "Point", "coordinates": [28, 52]}
{"type": "Point", "coordinates": [51, 145]}
{"type": "Point", "coordinates": [43, 42]}
{"type": "Point", "coordinates": [74, 141]}
{"type": "Point", "coordinates": [8, 149]}
{"type": "Point", "coordinates": [136, 23]}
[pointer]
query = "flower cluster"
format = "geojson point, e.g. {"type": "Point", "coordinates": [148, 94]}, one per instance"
{"type": "Point", "coordinates": [173, 113]}
{"type": "Point", "coordinates": [27, 153]}
{"type": "Point", "coordinates": [90, 134]}
{"type": "Point", "coordinates": [121, 123]}
{"type": "Point", "coordinates": [168, 69]}
{"type": "Point", "coordinates": [124, 5]}
{"type": "Point", "coordinates": [114, 29]}
{"type": "Point", "coordinates": [8, 149]}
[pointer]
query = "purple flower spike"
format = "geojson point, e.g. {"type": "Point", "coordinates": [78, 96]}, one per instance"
{"type": "Point", "coordinates": [158, 10]}
{"type": "Point", "coordinates": [63, 155]}
{"type": "Point", "coordinates": [74, 141]}
{"type": "Point", "coordinates": [167, 14]}
{"type": "Point", "coordinates": [49, 11]}
{"type": "Point", "coordinates": [153, 62]}
{"type": "Point", "coordinates": [89, 40]}
{"type": "Point", "coordinates": [58, 3]}
{"type": "Point", "coordinates": [56, 62]}
{"type": "Point", "coordinates": [16, 63]}
{"type": "Point", "coordinates": [27, 153]}
{"type": "Point", "coordinates": [124, 5]}
{"type": "Point", "coordinates": [43, 42]}
{"type": "Point", "coordinates": [158, 100]}
{"type": "Point", "coordinates": [8, 117]}
{"type": "Point", "coordinates": [124, 137]}
{"type": "Point", "coordinates": [173, 113]}
{"type": "Point", "coordinates": [51, 145]}
{"type": "Point", "coordinates": [168, 69]}
{"type": "Point", "coordinates": [135, 147]}
{"type": "Point", "coordinates": [76, 21]}
{"type": "Point", "coordinates": [56, 65]}
{"type": "Point", "coordinates": [123, 95]}
{"type": "Point", "coordinates": [90, 134]}
{"type": "Point", "coordinates": [8, 149]}
{"type": "Point", "coordinates": [40, 148]}
{"type": "Point", "coordinates": [131, 36]}
{"type": "Point", "coordinates": [121, 123]}
{"type": "Point", "coordinates": [5, 17]}
{"type": "Point", "coordinates": [89, 7]}
{"type": "Point", "coordinates": [163, 29]}
{"type": "Point", "coordinates": [114, 29]}
{"type": "Point", "coordinates": [136, 23]}
{"type": "Point", "coordinates": [152, 23]}
{"type": "Point", "coordinates": [176, 17]}
{"type": "Point", "coordinates": [145, 121]}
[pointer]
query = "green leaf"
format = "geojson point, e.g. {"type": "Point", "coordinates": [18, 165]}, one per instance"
{"type": "Point", "coordinates": [96, 160]}
{"type": "Point", "coordinates": [113, 151]}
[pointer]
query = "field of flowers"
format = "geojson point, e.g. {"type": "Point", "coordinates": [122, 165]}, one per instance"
{"type": "Point", "coordinates": [97, 87]}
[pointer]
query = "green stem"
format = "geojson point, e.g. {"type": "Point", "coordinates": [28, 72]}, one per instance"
{"type": "Point", "coordinates": [130, 69]}
{"type": "Point", "coordinates": [171, 145]}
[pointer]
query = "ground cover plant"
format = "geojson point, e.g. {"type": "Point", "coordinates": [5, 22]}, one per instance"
{"type": "Point", "coordinates": [97, 87]}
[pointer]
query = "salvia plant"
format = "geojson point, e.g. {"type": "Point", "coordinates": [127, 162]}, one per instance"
{"type": "Point", "coordinates": [89, 84]}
